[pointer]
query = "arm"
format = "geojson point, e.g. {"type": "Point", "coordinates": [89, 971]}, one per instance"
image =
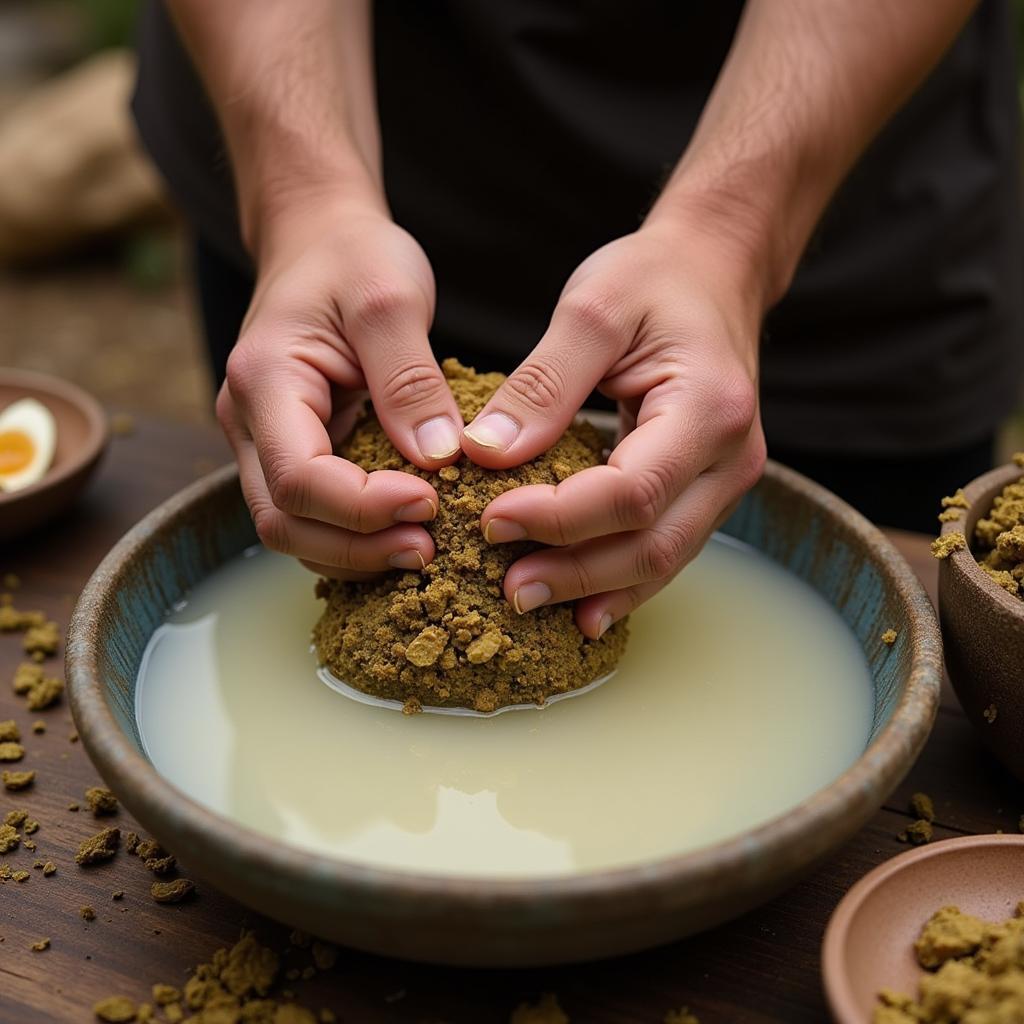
{"type": "Point", "coordinates": [667, 320]}
{"type": "Point", "coordinates": [344, 298]}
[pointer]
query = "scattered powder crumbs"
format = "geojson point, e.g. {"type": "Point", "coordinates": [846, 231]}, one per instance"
{"type": "Point", "coordinates": [122, 424]}
{"type": "Point", "coordinates": [957, 500]}
{"type": "Point", "coordinates": [100, 801]}
{"type": "Point", "coordinates": [681, 1016]}
{"type": "Point", "coordinates": [13, 620]}
{"type": "Point", "coordinates": [117, 894]}
{"type": "Point", "coordinates": [40, 946]}
{"type": "Point", "coordinates": [15, 781]}
{"type": "Point", "coordinates": [115, 1010]}
{"type": "Point", "coordinates": [950, 515]}
{"type": "Point", "coordinates": [162, 865]}
{"type": "Point", "coordinates": [147, 848]}
{"type": "Point", "coordinates": [9, 732]}
{"type": "Point", "coordinates": [26, 675]}
{"type": "Point", "coordinates": [324, 956]}
{"type": "Point", "coordinates": [976, 973]}
{"type": "Point", "coordinates": [49, 868]}
{"type": "Point", "coordinates": [73, 806]}
{"type": "Point", "coordinates": [42, 639]}
{"type": "Point", "coordinates": [73, 736]}
{"type": "Point", "coordinates": [917, 833]}
{"type": "Point", "coordinates": [944, 546]}
{"type": "Point", "coordinates": [131, 842]}
{"type": "Point", "coordinates": [889, 637]}
{"type": "Point", "coordinates": [164, 994]}
{"type": "Point", "coordinates": [39, 727]}
{"type": "Point", "coordinates": [300, 940]}
{"type": "Point", "coordinates": [17, 817]}
{"type": "Point", "coordinates": [546, 1011]}
{"type": "Point", "coordinates": [99, 847]}
{"type": "Point", "coordinates": [990, 713]}
{"type": "Point", "coordinates": [11, 751]}
{"type": "Point", "coordinates": [922, 806]}
{"type": "Point", "coordinates": [87, 913]}
{"type": "Point", "coordinates": [20, 876]}
{"type": "Point", "coordinates": [172, 892]}
{"type": "Point", "coordinates": [31, 825]}
{"type": "Point", "coordinates": [29, 844]}
{"type": "Point", "coordinates": [9, 838]}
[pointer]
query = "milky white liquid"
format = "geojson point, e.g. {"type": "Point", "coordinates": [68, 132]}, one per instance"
{"type": "Point", "coordinates": [741, 693]}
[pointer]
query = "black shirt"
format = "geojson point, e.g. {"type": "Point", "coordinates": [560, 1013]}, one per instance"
{"type": "Point", "coordinates": [520, 135]}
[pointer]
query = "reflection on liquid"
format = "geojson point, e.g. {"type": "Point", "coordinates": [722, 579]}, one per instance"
{"type": "Point", "coordinates": [741, 693]}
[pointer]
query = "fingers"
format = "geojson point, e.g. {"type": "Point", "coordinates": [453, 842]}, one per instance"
{"type": "Point", "coordinates": [332, 571]}
{"type": "Point", "coordinates": [533, 408]}
{"type": "Point", "coordinates": [675, 439]}
{"type": "Point", "coordinates": [303, 477]}
{"type": "Point", "coordinates": [388, 329]}
{"type": "Point", "coordinates": [327, 546]}
{"type": "Point", "coordinates": [619, 571]}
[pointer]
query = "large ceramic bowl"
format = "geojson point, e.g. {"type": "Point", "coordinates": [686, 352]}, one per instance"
{"type": "Point", "coordinates": [502, 922]}
{"type": "Point", "coordinates": [983, 629]}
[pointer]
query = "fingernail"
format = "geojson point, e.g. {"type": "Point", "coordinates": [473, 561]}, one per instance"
{"type": "Point", "coordinates": [602, 626]}
{"type": "Point", "coordinates": [530, 596]}
{"type": "Point", "coordinates": [502, 531]}
{"type": "Point", "coordinates": [408, 559]}
{"type": "Point", "coordinates": [495, 430]}
{"type": "Point", "coordinates": [437, 438]}
{"type": "Point", "coordinates": [419, 511]}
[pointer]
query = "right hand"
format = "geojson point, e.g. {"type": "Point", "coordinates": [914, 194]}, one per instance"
{"type": "Point", "coordinates": [343, 302]}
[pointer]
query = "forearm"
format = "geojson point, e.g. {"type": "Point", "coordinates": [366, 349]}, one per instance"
{"type": "Point", "coordinates": [806, 86]}
{"type": "Point", "coordinates": [292, 85]}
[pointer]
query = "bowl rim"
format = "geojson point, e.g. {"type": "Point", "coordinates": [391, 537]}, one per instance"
{"type": "Point", "coordinates": [984, 487]}
{"type": "Point", "coordinates": [95, 440]}
{"type": "Point", "coordinates": [879, 767]}
{"type": "Point", "coordinates": [835, 978]}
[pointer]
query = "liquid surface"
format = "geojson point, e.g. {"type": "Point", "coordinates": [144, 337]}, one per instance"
{"type": "Point", "coordinates": [741, 693]}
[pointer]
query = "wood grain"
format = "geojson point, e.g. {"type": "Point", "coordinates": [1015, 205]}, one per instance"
{"type": "Point", "coordinates": [763, 967]}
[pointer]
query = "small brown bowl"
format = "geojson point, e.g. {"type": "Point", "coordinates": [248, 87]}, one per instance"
{"type": "Point", "coordinates": [983, 633]}
{"type": "Point", "coordinates": [869, 942]}
{"type": "Point", "coordinates": [82, 436]}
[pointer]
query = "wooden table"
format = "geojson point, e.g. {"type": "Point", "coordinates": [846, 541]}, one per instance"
{"type": "Point", "coordinates": [763, 967]}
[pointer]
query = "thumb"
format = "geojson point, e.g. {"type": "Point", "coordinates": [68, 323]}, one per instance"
{"type": "Point", "coordinates": [533, 408]}
{"type": "Point", "coordinates": [409, 392]}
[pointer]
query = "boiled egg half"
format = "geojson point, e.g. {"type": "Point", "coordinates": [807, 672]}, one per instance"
{"type": "Point", "coordinates": [28, 437]}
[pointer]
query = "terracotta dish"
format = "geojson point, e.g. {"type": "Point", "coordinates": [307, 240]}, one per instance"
{"type": "Point", "coordinates": [983, 632]}
{"type": "Point", "coordinates": [82, 436]}
{"type": "Point", "coordinates": [493, 922]}
{"type": "Point", "coordinates": [869, 942]}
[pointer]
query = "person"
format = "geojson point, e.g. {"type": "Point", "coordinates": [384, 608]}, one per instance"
{"type": "Point", "coordinates": [670, 203]}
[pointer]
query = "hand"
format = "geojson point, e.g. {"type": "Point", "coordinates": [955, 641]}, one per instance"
{"type": "Point", "coordinates": [662, 321]}
{"type": "Point", "coordinates": [343, 302]}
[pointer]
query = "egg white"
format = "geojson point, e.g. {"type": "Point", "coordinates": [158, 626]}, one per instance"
{"type": "Point", "coordinates": [33, 419]}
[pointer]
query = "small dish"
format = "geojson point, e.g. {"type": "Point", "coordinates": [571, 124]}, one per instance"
{"type": "Point", "coordinates": [82, 436]}
{"type": "Point", "coordinates": [983, 632]}
{"type": "Point", "coordinates": [869, 941]}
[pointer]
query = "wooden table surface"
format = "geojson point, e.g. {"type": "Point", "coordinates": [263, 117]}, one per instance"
{"type": "Point", "coordinates": [762, 967]}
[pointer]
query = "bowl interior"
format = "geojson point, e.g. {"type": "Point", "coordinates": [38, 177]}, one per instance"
{"type": "Point", "coordinates": [81, 425]}
{"type": "Point", "coordinates": [870, 944]}
{"type": "Point", "coordinates": [824, 549]}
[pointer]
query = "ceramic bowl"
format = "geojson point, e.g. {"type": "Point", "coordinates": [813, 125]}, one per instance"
{"type": "Point", "coordinates": [474, 921]}
{"type": "Point", "coordinates": [983, 632]}
{"type": "Point", "coordinates": [82, 436]}
{"type": "Point", "coordinates": [869, 942]}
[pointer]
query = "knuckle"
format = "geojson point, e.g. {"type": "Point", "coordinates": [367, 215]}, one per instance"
{"type": "Point", "coordinates": [271, 528]}
{"type": "Point", "coordinates": [289, 489]}
{"type": "Point", "coordinates": [661, 552]}
{"type": "Point", "coordinates": [736, 407]}
{"type": "Point", "coordinates": [594, 312]}
{"type": "Point", "coordinates": [583, 581]}
{"type": "Point", "coordinates": [242, 368]}
{"type": "Point", "coordinates": [380, 300]}
{"type": "Point", "coordinates": [644, 499]}
{"type": "Point", "coordinates": [538, 386]}
{"type": "Point", "coordinates": [413, 384]}
{"type": "Point", "coordinates": [752, 466]}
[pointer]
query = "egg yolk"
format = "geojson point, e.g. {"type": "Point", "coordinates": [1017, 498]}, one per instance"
{"type": "Point", "coordinates": [16, 451]}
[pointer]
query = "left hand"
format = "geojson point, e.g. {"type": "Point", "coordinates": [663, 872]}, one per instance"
{"type": "Point", "coordinates": [666, 322]}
